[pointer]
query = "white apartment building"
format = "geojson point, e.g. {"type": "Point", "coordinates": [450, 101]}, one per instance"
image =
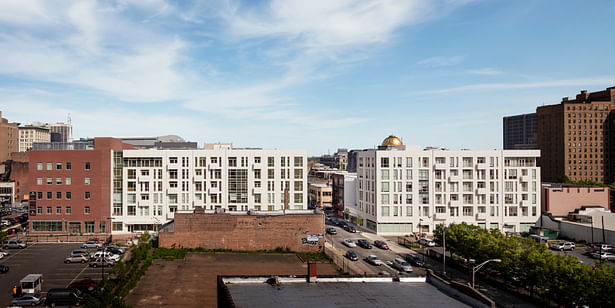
{"type": "Point", "coordinates": [149, 186]}
{"type": "Point", "coordinates": [402, 190]}
{"type": "Point", "coordinates": [29, 134]}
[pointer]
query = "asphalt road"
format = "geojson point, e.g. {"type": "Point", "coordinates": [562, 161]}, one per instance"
{"type": "Point", "coordinates": [580, 254]}
{"type": "Point", "coordinates": [46, 259]}
{"type": "Point", "coordinates": [386, 256]}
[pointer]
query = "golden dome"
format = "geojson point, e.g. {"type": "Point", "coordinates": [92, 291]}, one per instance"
{"type": "Point", "coordinates": [392, 141]}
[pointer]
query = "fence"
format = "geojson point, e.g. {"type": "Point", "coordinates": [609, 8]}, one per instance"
{"type": "Point", "coordinates": [64, 238]}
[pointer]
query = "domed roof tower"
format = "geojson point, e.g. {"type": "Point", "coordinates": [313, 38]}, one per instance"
{"type": "Point", "coordinates": [391, 140]}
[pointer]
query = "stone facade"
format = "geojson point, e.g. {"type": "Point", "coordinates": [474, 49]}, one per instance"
{"type": "Point", "coordinates": [245, 232]}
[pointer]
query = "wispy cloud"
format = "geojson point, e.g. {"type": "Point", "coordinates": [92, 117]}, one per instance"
{"type": "Point", "coordinates": [486, 71]}
{"type": "Point", "coordinates": [440, 61]}
{"type": "Point", "coordinates": [600, 81]}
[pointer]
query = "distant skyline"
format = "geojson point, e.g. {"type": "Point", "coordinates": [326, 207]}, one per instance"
{"type": "Point", "coordinates": [292, 74]}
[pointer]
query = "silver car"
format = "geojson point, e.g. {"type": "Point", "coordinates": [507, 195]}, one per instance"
{"type": "Point", "coordinates": [29, 299]}
{"type": "Point", "coordinates": [402, 265]}
{"type": "Point", "coordinates": [91, 244]}
{"type": "Point", "coordinates": [373, 260]}
{"type": "Point", "coordinates": [75, 259]}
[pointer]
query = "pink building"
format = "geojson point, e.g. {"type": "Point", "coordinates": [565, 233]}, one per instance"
{"type": "Point", "coordinates": [560, 199]}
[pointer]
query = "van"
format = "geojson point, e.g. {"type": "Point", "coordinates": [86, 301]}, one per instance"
{"type": "Point", "coordinates": [64, 297]}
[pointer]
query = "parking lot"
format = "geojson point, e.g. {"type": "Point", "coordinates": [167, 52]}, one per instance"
{"type": "Point", "coordinates": [46, 259]}
{"type": "Point", "coordinates": [361, 266]}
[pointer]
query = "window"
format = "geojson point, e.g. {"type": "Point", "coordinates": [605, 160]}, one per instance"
{"type": "Point", "coordinates": [68, 166]}
{"type": "Point", "coordinates": [39, 181]}
{"type": "Point", "coordinates": [102, 226]}
{"type": "Point", "coordinates": [49, 166]}
{"type": "Point", "coordinates": [49, 195]}
{"type": "Point", "coordinates": [173, 198]}
{"type": "Point", "coordinates": [58, 166]}
{"type": "Point", "coordinates": [89, 227]}
{"type": "Point", "coordinates": [58, 181]}
{"type": "Point", "coordinates": [49, 210]}
{"type": "Point", "coordinates": [172, 160]}
{"type": "Point", "coordinates": [49, 181]}
{"type": "Point", "coordinates": [298, 197]}
{"type": "Point", "coordinates": [68, 210]}
{"type": "Point", "coordinates": [298, 173]}
{"type": "Point", "coordinates": [39, 210]}
{"type": "Point", "coordinates": [384, 162]}
{"type": "Point", "coordinates": [67, 181]}
{"type": "Point", "coordinates": [39, 166]}
{"type": "Point", "coordinates": [86, 181]}
{"type": "Point", "coordinates": [87, 195]}
{"type": "Point", "coordinates": [384, 211]}
{"type": "Point", "coordinates": [298, 161]}
{"type": "Point", "coordinates": [116, 226]}
{"type": "Point", "coordinates": [86, 210]}
{"type": "Point", "coordinates": [47, 225]}
{"type": "Point", "coordinates": [58, 210]}
{"type": "Point", "coordinates": [298, 185]}
{"type": "Point", "coordinates": [385, 174]}
{"type": "Point", "coordinates": [58, 195]}
{"type": "Point", "coordinates": [87, 165]}
{"type": "Point", "coordinates": [68, 195]}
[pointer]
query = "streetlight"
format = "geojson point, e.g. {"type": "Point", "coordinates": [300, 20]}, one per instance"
{"type": "Point", "coordinates": [478, 267]}
{"type": "Point", "coordinates": [444, 248]}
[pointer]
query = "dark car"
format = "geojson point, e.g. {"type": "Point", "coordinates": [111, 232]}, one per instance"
{"type": "Point", "coordinates": [381, 245]}
{"type": "Point", "coordinates": [64, 297]}
{"type": "Point", "coordinates": [85, 285]}
{"type": "Point", "coordinates": [3, 268]}
{"type": "Point", "coordinates": [331, 231]}
{"type": "Point", "coordinates": [414, 260]}
{"type": "Point", "coordinates": [113, 250]}
{"type": "Point", "coordinates": [29, 299]}
{"type": "Point", "coordinates": [364, 243]}
{"type": "Point", "coordinates": [351, 255]}
{"type": "Point", "coordinates": [350, 229]}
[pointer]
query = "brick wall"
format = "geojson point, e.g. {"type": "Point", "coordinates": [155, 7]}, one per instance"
{"type": "Point", "coordinates": [244, 232]}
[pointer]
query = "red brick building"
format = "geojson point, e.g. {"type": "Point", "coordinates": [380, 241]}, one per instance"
{"type": "Point", "coordinates": [72, 188]}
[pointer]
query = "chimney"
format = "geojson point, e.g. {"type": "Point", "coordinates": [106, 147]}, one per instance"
{"type": "Point", "coordinates": [311, 275]}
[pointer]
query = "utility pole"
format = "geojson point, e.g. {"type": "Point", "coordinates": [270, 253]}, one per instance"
{"type": "Point", "coordinates": [444, 254]}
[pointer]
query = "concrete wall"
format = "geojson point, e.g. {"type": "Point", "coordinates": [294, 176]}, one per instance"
{"type": "Point", "coordinates": [579, 231]}
{"type": "Point", "coordinates": [559, 201]}
{"type": "Point", "coordinates": [245, 232]}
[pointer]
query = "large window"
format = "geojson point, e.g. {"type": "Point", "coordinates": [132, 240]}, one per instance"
{"type": "Point", "coordinates": [116, 226]}
{"type": "Point", "coordinates": [46, 225]}
{"type": "Point", "coordinates": [89, 227]}
{"type": "Point", "coordinates": [238, 186]}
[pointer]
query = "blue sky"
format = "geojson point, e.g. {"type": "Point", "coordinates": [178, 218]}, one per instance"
{"type": "Point", "coordinates": [315, 75]}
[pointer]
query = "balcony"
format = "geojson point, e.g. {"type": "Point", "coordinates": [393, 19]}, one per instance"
{"type": "Point", "coordinates": [480, 166]}
{"type": "Point", "coordinates": [481, 216]}
{"type": "Point", "coordinates": [454, 178]}
{"type": "Point", "coordinates": [454, 202]}
{"type": "Point", "coordinates": [440, 166]}
{"type": "Point", "coordinates": [524, 178]}
{"type": "Point", "coordinates": [144, 178]}
{"type": "Point", "coordinates": [482, 191]}
{"type": "Point", "coordinates": [213, 190]}
{"type": "Point", "coordinates": [198, 178]}
{"type": "Point", "coordinates": [174, 190]}
{"type": "Point", "coordinates": [440, 216]}
{"type": "Point", "coordinates": [257, 190]}
{"type": "Point", "coordinates": [525, 203]}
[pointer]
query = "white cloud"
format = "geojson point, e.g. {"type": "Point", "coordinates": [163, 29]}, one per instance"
{"type": "Point", "coordinates": [440, 61]}
{"type": "Point", "coordinates": [599, 81]}
{"type": "Point", "coordinates": [486, 71]}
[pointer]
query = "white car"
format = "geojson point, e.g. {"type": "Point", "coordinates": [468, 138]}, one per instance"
{"type": "Point", "coordinates": [427, 242]}
{"type": "Point", "coordinates": [604, 256]}
{"type": "Point", "coordinates": [108, 255]}
{"type": "Point", "coordinates": [563, 246]}
{"type": "Point", "coordinates": [402, 265]}
{"type": "Point", "coordinates": [3, 253]}
{"type": "Point", "coordinates": [348, 242]}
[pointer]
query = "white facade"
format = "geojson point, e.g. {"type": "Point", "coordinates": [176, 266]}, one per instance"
{"type": "Point", "coordinates": [402, 190]}
{"type": "Point", "coordinates": [149, 186]}
{"type": "Point", "coordinates": [31, 134]}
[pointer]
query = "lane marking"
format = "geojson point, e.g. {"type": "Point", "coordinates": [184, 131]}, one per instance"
{"type": "Point", "coordinates": [83, 270]}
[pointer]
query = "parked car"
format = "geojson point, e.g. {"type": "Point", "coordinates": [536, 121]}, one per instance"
{"type": "Point", "coordinates": [4, 269]}
{"type": "Point", "coordinates": [85, 285]}
{"type": "Point", "coordinates": [603, 256]}
{"type": "Point", "coordinates": [351, 255]}
{"type": "Point", "coordinates": [113, 250]}
{"type": "Point", "coordinates": [427, 242]}
{"type": "Point", "coordinates": [602, 247]}
{"type": "Point", "coordinates": [4, 253]}
{"type": "Point", "coordinates": [350, 229]}
{"type": "Point", "coordinates": [30, 299]}
{"type": "Point", "coordinates": [75, 259]}
{"type": "Point", "coordinates": [120, 249]}
{"type": "Point", "coordinates": [64, 297]}
{"type": "Point", "coordinates": [414, 260]}
{"type": "Point", "coordinates": [365, 244]}
{"type": "Point", "coordinates": [381, 245]}
{"type": "Point", "coordinates": [373, 260]}
{"type": "Point", "coordinates": [98, 262]}
{"type": "Point", "coordinates": [14, 244]}
{"type": "Point", "coordinates": [331, 231]}
{"type": "Point", "coordinates": [79, 252]}
{"type": "Point", "coordinates": [563, 246]}
{"type": "Point", "coordinates": [350, 243]}
{"type": "Point", "coordinates": [108, 255]}
{"type": "Point", "coordinates": [402, 265]}
{"type": "Point", "coordinates": [91, 244]}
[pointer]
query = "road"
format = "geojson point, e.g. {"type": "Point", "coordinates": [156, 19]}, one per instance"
{"type": "Point", "coordinates": [361, 266]}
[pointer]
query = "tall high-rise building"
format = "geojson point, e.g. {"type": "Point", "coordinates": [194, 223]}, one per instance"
{"type": "Point", "coordinates": [520, 132]}
{"type": "Point", "coordinates": [60, 132]}
{"type": "Point", "coordinates": [9, 138]}
{"type": "Point", "coordinates": [573, 137]}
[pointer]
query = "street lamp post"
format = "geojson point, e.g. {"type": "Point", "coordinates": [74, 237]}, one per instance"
{"type": "Point", "coordinates": [444, 252]}
{"type": "Point", "coordinates": [478, 267]}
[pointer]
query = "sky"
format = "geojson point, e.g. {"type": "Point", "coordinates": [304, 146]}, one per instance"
{"type": "Point", "coordinates": [293, 74]}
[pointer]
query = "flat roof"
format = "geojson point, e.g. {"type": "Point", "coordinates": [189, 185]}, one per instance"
{"type": "Point", "coordinates": [340, 294]}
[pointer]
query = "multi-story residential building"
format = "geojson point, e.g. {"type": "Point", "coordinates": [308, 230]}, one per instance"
{"type": "Point", "coordinates": [403, 189]}
{"type": "Point", "coordinates": [72, 187]}
{"type": "Point", "coordinates": [520, 132]}
{"type": "Point", "coordinates": [9, 138]}
{"type": "Point", "coordinates": [320, 194]}
{"type": "Point", "coordinates": [344, 193]}
{"type": "Point", "coordinates": [575, 138]}
{"type": "Point", "coordinates": [30, 134]}
{"type": "Point", "coordinates": [150, 186]}
{"type": "Point", "coordinates": [341, 159]}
